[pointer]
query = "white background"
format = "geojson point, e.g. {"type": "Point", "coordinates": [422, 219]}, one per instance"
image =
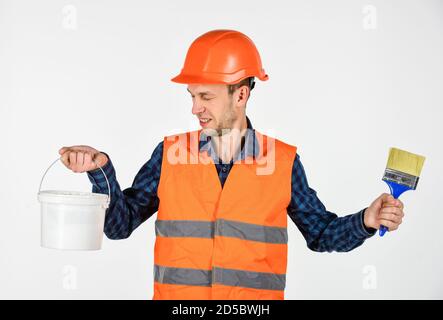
{"type": "Point", "coordinates": [339, 89]}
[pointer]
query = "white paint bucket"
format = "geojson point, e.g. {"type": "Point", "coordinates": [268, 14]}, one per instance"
{"type": "Point", "coordinates": [72, 220]}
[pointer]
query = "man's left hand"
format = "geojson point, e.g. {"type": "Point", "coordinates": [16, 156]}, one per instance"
{"type": "Point", "coordinates": [385, 210]}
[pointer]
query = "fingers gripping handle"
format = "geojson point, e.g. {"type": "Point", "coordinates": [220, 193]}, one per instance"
{"type": "Point", "coordinates": [104, 174]}
{"type": "Point", "coordinates": [396, 190]}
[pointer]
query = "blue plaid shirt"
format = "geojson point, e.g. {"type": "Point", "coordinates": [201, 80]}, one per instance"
{"type": "Point", "coordinates": [323, 230]}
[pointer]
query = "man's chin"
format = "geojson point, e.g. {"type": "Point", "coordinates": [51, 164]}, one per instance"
{"type": "Point", "coordinates": [210, 131]}
{"type": "Point", "coordinates": [216, 132]}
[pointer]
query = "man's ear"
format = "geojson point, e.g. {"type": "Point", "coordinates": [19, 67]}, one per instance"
{"type": "Point", "coordinates": [243, 95]}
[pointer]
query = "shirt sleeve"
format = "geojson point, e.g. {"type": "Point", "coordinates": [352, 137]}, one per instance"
{"type": "Point", "coordinates": [322, 229]}
{"type": "Point", "coordinates": [132, 206]}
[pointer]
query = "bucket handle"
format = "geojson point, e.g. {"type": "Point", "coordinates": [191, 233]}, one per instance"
{"type": "Point", "coordinates": [107, 181]}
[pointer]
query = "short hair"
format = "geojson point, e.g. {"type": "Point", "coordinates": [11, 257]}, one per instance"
{"type": "Point", "coordinates": [250, 82]}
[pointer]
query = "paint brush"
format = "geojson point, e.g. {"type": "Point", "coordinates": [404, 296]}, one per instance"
{"type": "Point", "coordinates": [401, 174]}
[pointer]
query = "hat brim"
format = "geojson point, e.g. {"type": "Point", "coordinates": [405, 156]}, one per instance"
{"type": "Point", "coordinates": [188, 79]}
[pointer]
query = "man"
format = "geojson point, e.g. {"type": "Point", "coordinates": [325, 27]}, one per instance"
{"type": "Point", "coordinates": [223, 193]}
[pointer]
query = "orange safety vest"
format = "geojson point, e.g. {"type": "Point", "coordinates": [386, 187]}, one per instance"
{"type": "Point", "coordinates": [222, 243]}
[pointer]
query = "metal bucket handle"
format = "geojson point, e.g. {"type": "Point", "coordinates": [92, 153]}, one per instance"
{"type": "Point", "coordinates": [107, 181]}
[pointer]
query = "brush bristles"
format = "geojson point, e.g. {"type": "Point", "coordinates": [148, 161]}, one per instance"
{"type": "Point", "coordinates": [403, 161]}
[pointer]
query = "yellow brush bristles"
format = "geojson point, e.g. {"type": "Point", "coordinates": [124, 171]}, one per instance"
{"type": "Point", "coordinates": [406, 162]}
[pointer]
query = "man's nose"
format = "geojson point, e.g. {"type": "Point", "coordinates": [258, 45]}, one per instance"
{"type": "Point", "coordinates": [197, 108]}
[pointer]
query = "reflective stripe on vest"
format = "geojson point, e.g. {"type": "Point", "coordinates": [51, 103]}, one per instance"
{"type": "Point", "coordinates": [184, 228]}
{"type": "Point", "coordinates": [185, 276]}
{"type": "Point", "coordinates": [221, 227]}
{"type": "Point", "coordinates": [228, 277]}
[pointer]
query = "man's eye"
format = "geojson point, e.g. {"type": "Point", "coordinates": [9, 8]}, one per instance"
{"type": "Point", "coordinates": [206, 99]}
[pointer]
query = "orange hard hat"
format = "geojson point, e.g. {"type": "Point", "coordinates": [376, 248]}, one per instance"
{"type": "Point", "coordinates": [221, 56]}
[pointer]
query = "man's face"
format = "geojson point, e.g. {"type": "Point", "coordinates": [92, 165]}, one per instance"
{"type": "Point", "coordinates": [213, 106]}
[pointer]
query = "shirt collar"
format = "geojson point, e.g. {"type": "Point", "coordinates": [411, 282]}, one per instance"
{"type": "Point", "coordinates": [250, 147]}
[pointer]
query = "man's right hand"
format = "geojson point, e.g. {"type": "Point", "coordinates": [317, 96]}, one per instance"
{"type": "Point", "coordinates": [82, 158]}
